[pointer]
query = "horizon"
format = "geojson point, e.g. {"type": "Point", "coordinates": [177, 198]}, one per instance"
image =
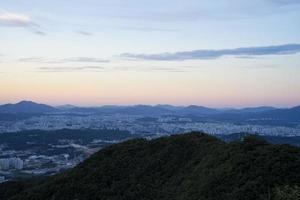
{"type": "Point", "coordinates": [89, 52]}
{"type": "Point", "coordinates": [141, 104]}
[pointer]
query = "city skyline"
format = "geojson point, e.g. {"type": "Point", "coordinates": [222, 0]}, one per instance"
{"type": "Point", "coordinates": [90, 53]}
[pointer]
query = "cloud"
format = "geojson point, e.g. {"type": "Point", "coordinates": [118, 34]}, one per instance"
{"type": "Point", "coordinates": [86, 59]}
{"type": "Point", "coordinates": [70, 69]}
{"type": "Point", "coordinates": [152, 68]}
{"type": "Point", "coordinates": [40, 33]}
{"type": "Point", "coordinates": [64, 60]}
{"type": "Point", "coordinates": [166, 69]}
{"type": "Point", "coordinates": [11, 19]}
{"type": "Point", "coordinates": [15, 19]}
{"type": "Point", "coordinates": [113, 68]}
{"type": "Point", "coordinates": [33, 59]}
{"type": "Point", "coordinates": [148, 29]}
{"type": "Point", "coordinates": [85, 33]}
{"type": "Point", "coordinates": [214, 54]}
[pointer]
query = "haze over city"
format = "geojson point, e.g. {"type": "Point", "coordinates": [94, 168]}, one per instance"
{"type": "Point", "coordinates": [91, 52]}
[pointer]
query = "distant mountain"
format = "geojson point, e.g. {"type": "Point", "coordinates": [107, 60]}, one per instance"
{"type": "Point", "coordinates": [197, 110]}
{"type": "Point", "coordinates": [182, 167]}
{"type": "Point", "coordinates": [296, 108]}
{"type": "Point", "coordinates": [290, 114]}
{"type": "Point", "coordinates": [83, 110]}
{"type": "Point", "coordinates": [144, 110]}
{"type": "Point", "coordinates": [260, 115]}
{"type": "Point", "coordinates": [26, 107]}
{"type": "Point", "coordinates": [110, 109]}
{"type": "Point", "coordinates": [128, 110]}
{"type": "Point", "coordinates": [65, 107]}
{"type": "Point", "coordinates": [251, 109]}
{"type": "Point", "coordinates": [170, 107]}
{"type": "Point", "coordinates": [265, 113]}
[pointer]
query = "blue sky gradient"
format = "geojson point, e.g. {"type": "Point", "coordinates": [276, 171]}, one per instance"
{"type": "Point", "coordinates": [214, 53]}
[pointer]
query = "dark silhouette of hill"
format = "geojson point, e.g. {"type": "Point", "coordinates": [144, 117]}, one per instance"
{"type": "Point", "coordinates": [26, 107]}
{"type": "Point", "coordinates": [192, 166]}
{"type": "Point", "coordinates": [291, 140]}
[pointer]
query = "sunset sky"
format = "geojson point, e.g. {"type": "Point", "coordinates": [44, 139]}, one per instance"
{"type": "Point", "coordinates": [96, 52]}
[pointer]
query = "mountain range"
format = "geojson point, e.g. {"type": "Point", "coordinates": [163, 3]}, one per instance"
{"type": "Point", "coordinates": [252, 113]}
{"type": "Point", "coordinates": [192, 166]}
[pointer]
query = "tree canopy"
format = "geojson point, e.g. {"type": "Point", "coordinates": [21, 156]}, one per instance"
{"type": "Point", "coordinates": [191, 166]}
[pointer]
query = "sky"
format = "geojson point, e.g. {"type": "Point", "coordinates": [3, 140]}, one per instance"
{"type": "Point", "coordinates": [220, 53]}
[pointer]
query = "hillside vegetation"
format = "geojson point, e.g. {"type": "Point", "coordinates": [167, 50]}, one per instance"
{"type": "Point", "coordinates": [191, 166]}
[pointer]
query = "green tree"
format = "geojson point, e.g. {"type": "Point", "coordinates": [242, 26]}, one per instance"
{"type": "Point", "coordinates": [287, 193]}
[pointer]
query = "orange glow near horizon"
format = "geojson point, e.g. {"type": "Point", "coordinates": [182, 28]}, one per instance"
{"type": "Point", "coordinates": [128, 88]}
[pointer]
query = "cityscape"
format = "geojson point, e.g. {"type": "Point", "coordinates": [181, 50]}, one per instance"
{"type": "Point", "coordinates": [139, 124]}
{"type": "Point", "coordinates": [36, 152]}
{"type": "Point", "coordinates": [49, 140]}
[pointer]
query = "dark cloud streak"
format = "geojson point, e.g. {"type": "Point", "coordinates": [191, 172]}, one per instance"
{"type": "Point", "coordinates": [40, 33]}
{"type": "Point", "coordinates": [85, 33]}
{"type": "Point", "coordinates": [214, 54]}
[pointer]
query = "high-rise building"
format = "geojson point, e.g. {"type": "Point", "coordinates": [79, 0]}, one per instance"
{"type": "Point", "coordinates": [16, 163]}
{"type": "Point", "coordinates": [11, 163]}
{"type": "Point", "coordinates": [4, 164]}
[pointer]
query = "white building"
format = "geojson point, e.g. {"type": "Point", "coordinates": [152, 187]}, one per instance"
{"type": "Point", "coordinates": [4, 164]}
{"type": "Point", "coordinates": [11, 163]}
{"type": "Point", "coordinates": [16, 163]}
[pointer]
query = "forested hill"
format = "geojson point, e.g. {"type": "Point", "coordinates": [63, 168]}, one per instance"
{"type": "Point", "coordinates": [182, 167]}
